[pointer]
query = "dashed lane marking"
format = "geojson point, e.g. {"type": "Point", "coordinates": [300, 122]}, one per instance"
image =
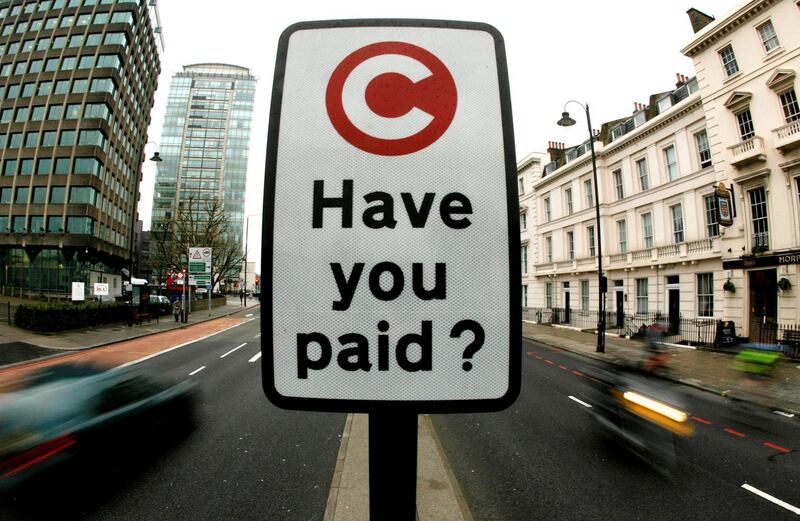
{"type": "Point", "coordinates": [773, 499]}
{"type": "Point", "coordinates": [258, 355]}
{"type": "Point", "coordinates": [248, 315]}
{"type": "Point", "coordinates": [580, 401]}
{"type": "Point", "coordinates": [701, 420]}
{"type": "Point", "coordinates": [232, 350]}
{"type": "Point", "coordinates": [777, 447]}
{"type": "Point", "coordinates": [734, 433]}
{"type": "Point", "coordinates": [196, 371]}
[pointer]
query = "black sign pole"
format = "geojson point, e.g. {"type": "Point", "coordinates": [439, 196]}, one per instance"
{"type": "Point", "coordinates": [392, 466]}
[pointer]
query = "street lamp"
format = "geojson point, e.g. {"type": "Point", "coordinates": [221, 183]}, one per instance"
{"type": "Point", "coordinates": [156, 159]}
{"type": "Point", "coordinates": [246, 235]}
{"type": "Point", "coordinates": [567, 121]}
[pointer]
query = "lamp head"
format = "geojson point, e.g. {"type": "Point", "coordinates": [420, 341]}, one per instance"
{"type": "Point", "coordinates": [156, 158]}
{"type": "Point", "coordinates": [565, 120]}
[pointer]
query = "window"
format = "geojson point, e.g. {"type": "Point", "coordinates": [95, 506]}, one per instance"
{"type": "Point", "coordinates": [85, 62]}
{"type": "Point", "coordinates": [92, 137]}
{"type": "Point", "coordinates": [57, 194]}
{"type": "Point", "coordinates": [109, 60]}
{"type": "Point", "coordinates": [22, 195]}
{"type": "Point", "coordinates": [62, 166]}
{"type": "Point", "coordinates": [618, 184]}
{"type": "Point", "coordinates": [15, 140]}
{"type": "Point", "coordinates": [644, 175]}
{"type": "Point", "coordinates": [5, 115]}
{"type": "Point", "coordinates": [59, 42]}
{"type": "Point", "coordinates": [68, 63]}
{"type": "Point", "coordinates": [758, 213]}
{"type": "Point", "coordinates": [568, 194]}
{"type": "Point", "coordinates": [54, 224]}
{"type": "Point", "coordinates": [18, 224]}
{"type": "Point", "coordinates": [102, 85]}
{"type": "Point", "coordinates": [26, 167]}
{"type": "Point", "coordinates": [36, 223]}
{"type": "Point", "coordinates": [728, 60]}
{"type": "Point", "coordinates": [31, 140]}
{"type": "Point", "coordinates": [44, 166]}
{"type": "Point", "coordinates": [93, 40]}
{"type": "Point", "coordinates": [54, 112]}
{"type": "Point", "coordinates": [769, 38]}
{"type": "Point", "coordinates": [622, 237]}
{"type": "Point", "coordinates": [703, 149]}
{"type": "Point", "coordinates": [705, 295]}
{"type": "Point", "coordinates": [10, 167]}
{"type": "Point", "coordinates": [87, 165]}
{"type": "Point", "coordinates": [22, 115]}
{"type": "Point", "coordinates": [584, 295]}
{"type": "Point", "coordinates": [641, 295]}
{"type": "Point", "coordinates": [548, 295]}
{"type": "Point", "coordinates": [73, 111]}
{"type": "Point", "coordinates": [745, 121]}
{"type": "Point", "coordinates": [590, 236]}
{"type": "Point", "coordinates": [677, 223]}
{"type": "Point", "coordinates": [548, 248]}
{"type": "Point", "coordinates": [647, 229]}
{"type": "Point", "coordinates": [82, 195]}
{"type": "Point", "coordinates": [571, 245]}
{"type": "Point", "coordinates": [547, 213]}
{"type": "Point", "coordinates": [524, 258]}
{"type": "Point", "coordinates": [80, 86]}
{"type": "Point", "coordinates": [75, 41]}
{"type": "Point", "coordinates": [115, 39]}
{"type": "Point", "coordinates": [62, 87]}
{"type": "Point", "coordinates": [35, 66]}
{"type": "Point", "coordinates": [521, 184]}
{"type": "Point", "coordinates": [39, 195]}
{"type": "Point", "coordinates": [67, 138]}
{"type": "Point", "coordinates": [49, 138]}
{"type": "Point", "coordinates": [80, 225]}
{"type": "Point", "coordinates": [5, 195]}
{"type": "Point", "coordinates": [523, 221]}
{"type": "Point", "coordinates": [587, 187]}
{"type": "Point", "coordinates": [712, 226]}
{"type": "Point", "coordinates": [671, 162]}
{"type": "Point", "coordinates": [791, 110]}
{"type": "Point", "coordinates": [524, 295]}
{"type": "Point", "coordinates": [28, 90]}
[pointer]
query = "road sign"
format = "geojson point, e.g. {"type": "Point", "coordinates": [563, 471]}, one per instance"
{"type": "Point", "coordinates": [200, 279]}
{"type": "Point", "coordinates": [78, 289]}
{"type": "Point", "coordinates": [199, 256]}
{"type": "Point", "coordinates": [395, 160]}
{"type": "Point", "coordinates": [100, 289]}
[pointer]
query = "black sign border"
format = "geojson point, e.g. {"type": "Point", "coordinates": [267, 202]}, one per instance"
{"type": "Point", "coordinates": [515, 311]}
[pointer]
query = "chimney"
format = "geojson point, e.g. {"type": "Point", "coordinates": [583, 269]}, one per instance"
{"type": "Point", "coordinates": [698, 19]}
{"type": "Point", "coordinates": [556, 151]}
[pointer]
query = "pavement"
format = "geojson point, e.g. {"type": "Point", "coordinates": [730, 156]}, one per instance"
{"type": "Point", "coordinates": [439, 497]}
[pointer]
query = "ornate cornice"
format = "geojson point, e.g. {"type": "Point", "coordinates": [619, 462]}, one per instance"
{"type": "Point", "coordinates": [716, 31]}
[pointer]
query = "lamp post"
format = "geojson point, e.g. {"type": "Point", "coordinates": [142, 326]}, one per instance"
{"type": "Point", "coordinates": [156, 159]}
{"type": "Point", "coordinates": [246, 235]}
{"type": "Point", "coordinates": [567, 121]}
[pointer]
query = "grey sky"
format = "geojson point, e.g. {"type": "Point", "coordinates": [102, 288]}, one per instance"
{"type": "Point", "coordinates": [609, 54]}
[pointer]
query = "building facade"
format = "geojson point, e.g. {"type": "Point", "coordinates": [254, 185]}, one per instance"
{"type": "Point", "coordinates": [665, 255]}
{"type": "Point", "coordinates": [204, 144]}
{"type": "Point", "coordinates": [77, 83]}
{"type": "Point", "coordinates": [749, 61]}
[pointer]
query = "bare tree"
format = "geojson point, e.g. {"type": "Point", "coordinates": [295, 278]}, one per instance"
{"type": "Point", "coordinates": [198, 223]}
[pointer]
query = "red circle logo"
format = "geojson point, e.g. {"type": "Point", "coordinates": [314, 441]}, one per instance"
{"type": "Point", "coordinates": [391, 98]}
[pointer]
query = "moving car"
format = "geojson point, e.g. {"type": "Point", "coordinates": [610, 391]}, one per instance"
{"type": "Point", "coordinates": [81, 414]}
{"type": "Point", "coordinates": [160, 304]}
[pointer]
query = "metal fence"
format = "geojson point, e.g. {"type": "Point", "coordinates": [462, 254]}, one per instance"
{"type": "Point", "coordinates": [784, 335]}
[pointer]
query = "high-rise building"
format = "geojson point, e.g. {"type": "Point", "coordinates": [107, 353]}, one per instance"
{"type": "Point", "coordinates": [77, 80]}
{"type": "Point", "coordinates": [204, 144]}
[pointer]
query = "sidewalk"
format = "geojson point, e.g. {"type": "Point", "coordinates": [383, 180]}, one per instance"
{"type": "Point", "coordinates": [707, 370]}
{"type": "Point", "coordinates": [20, 345]}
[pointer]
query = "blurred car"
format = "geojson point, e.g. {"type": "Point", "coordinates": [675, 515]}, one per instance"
{"type": "Point", "coordinates": [77, 413]}
{"type": "Point", "coordinates": [160, 304]}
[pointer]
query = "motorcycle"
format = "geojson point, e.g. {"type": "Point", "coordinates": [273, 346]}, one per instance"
{"type": "Point", "coordinates": [644, 414]}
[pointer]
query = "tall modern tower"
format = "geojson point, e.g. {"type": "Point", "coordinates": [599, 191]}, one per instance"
{"type": "Point", "coordinates": [77, 80]}
{"type": "Point", "coordinates": [204, 143]}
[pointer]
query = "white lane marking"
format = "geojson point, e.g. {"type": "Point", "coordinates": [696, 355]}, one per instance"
{"type": "Point", "coordinates": [148, 357]}
{"type": "Point", "coordinates": [580, 402]}
{"type": "Point", "coordinates": [232, 350]}
{"type": "Point", "coordinates": [196, 371]}
{"type": "Point", "coordinates": [787, 414]}
{"type": "Point", "coordinates": [258, 335]}
{"type": "Point", "coordinates": [248, 315]}
{"type": "Point", "coordinates": [784, 504]}
{"type": "Point", "coordinates": [258, 355]}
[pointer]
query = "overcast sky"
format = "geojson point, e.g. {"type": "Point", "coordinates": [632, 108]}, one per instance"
{"type": "Point", "coordinates": [610, 54]}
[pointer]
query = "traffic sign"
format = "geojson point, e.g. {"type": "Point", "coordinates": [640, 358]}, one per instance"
{"type": "Point", "coordinates": [198, 256]}
{"type": "Point", "coordinates": [391, 151]}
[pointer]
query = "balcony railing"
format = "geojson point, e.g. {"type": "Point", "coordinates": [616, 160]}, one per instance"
{"type": "Point", "coordinates": [748, 151]}
{"type": "Point", "coordinates": [760, 242]}
{"type": "Point", "coordinates": [673, 250]}
{"type": "Point", "coordinates": [787, 137]}
{"type": "Point", "coordinates": [701, 246]}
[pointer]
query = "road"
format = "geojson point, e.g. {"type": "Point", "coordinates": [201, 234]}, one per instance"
{"type": "Point", "coordinates": [543, 459]}
{"type": "Point", "coordinates": [246, 459]}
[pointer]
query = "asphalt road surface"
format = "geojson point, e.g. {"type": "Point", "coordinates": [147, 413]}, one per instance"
{"type": "Point", "coordinates": [246, 459]}
{"type": "Point", "coordinates": [543, 458]}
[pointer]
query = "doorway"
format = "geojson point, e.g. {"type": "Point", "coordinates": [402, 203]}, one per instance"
{"type": "Point", "coordinates": [673, 289]}
{"type": "Point", "coordinates": [619, 307]}
{"type": "Point", "coordinates": [763, 305]}
{"type": "Point", "coordinates": [567, 311]}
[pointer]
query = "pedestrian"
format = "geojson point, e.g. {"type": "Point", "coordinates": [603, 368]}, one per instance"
{"type": "Point", "coordinates": [241, 297]}
{"type": "Point", "coordinates": [176, 309]}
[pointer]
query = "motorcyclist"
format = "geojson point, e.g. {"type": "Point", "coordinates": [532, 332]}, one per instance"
{"type": "Point", "coordinates": [656, 360]}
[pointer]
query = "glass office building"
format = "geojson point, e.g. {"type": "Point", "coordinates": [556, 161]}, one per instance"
{"type": "Point", "coordinates": [204, 144]}
{"type": "Point", "coordinates": [77, 83]}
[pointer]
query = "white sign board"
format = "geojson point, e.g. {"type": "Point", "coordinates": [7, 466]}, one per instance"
{"type": "Point", "coordinates": [392, 160]}
{"type": "Point", "coordinates": [100, 289]}
{"type": "Point", "coordinates": [78, 291]}
{"type": "Point", "coordinates": [201, 254]}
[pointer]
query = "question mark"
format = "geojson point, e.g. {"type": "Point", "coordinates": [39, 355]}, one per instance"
{"type": "Point", "coordinates": [473, 346]}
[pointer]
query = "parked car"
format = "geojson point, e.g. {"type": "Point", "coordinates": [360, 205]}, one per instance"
{"type": "Point", "coordinates": [79, 416]}
{"type": "Point", "coordinates": [160, 304]}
